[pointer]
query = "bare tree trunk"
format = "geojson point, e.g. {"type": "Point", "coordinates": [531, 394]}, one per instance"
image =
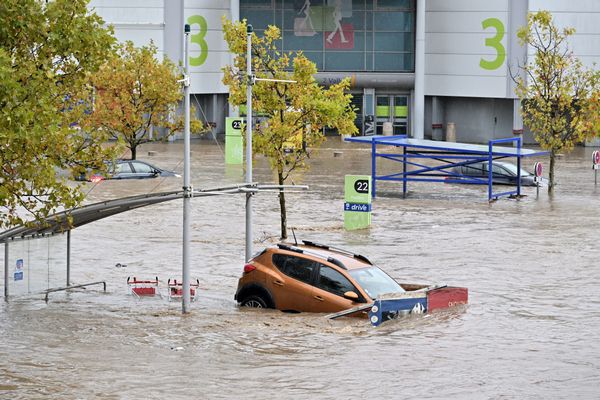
{"type": "Point", "coordinates": [282, 208]}
{"type": "Point", "coordinates": [551, 174]}
{"type": "Point", "coordinates": [133, 152]}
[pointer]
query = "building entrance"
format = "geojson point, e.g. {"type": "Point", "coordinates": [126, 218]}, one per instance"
{"type": "Point", "coordinates": [394, 109]}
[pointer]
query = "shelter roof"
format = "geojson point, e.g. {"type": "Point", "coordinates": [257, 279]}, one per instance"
{"type": "Point", "coordinates": [70, 219]}
{"type": "Point", "coordinates": [403, 141]}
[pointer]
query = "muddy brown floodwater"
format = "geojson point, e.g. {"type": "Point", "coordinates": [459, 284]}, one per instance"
{"type": "Point", "coordinates": [531, 330]}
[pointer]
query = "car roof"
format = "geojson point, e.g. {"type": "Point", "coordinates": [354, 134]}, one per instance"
{"type": "Point", "coordinates": [337, 256]}
{"type": "Point", "coordinates": [124, 160]}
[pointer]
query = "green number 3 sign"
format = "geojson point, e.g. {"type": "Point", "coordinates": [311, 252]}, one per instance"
{"type": "Point", "coordinates": [495, 42]}
{"type": "Point", "coordinates": [198, 38]}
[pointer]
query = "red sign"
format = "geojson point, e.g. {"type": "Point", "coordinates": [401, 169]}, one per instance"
{"type": "Point", "coordinates": [538, 169]}
{"type": "Point", "coordinates": [447, 297]}
{"type": "Point", "coordinates": [341, 38]}
{"type": "Point", "coordinates": [596, 157]}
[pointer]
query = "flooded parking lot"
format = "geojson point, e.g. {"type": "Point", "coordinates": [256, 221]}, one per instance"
{"type": "Point", "coordinates": [531, 330]}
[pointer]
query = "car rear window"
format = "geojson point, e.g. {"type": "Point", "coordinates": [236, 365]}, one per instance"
{"type": "Point", "coordinates": [295, 267]}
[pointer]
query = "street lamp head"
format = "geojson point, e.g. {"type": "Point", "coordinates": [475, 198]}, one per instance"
{"type": "Point", "coordinates": [249, 29]}
{"type": "Point", "coordinates": [186, 28]}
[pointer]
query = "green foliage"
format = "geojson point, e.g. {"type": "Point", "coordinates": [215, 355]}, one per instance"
{"type": "Point", "coordinates": [556, 90]}
{"type": "Point", "coordinates": [135, 92]}
{"type": "Point", "coordinates": [594, 122]}
{"type": "Point", "coordinates": [47, 50]}
{"type": "Point", "coordinates": [295, 113]}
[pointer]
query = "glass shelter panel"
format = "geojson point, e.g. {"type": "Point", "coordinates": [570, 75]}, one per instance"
{"type": "Point", "coordinates": [35, 265]}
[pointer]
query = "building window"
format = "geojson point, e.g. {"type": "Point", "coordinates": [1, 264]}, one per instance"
{"type": "Point", "coordinates": [259, 3]}
{"type": "Point", "coordinates": [341, 35]}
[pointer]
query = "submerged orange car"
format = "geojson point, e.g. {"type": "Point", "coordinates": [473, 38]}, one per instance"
{"type": "Point", "coordinates": [312, 277]}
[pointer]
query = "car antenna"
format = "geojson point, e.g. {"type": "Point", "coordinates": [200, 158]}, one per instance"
{"type": "Point", "coordinates": [294, 233]}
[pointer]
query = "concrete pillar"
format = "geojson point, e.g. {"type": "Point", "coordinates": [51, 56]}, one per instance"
{"type": "Point", "coordinates": [215, 115]}
{"type": "Point", "coordinates": [517, 54]}
{"type": "Point", "coordinates": [419, 96]}
{"type": "Point", "coordinates": [517, 120]}
{"type": "Point", "coordinates": [437, 119]}
{"type": "Point", "coordinates": [234, 9]}
{"type": "Point", "coordinates": [173, 36]}
{"type": "Point", "coordinates": [173, 32]}
{"type": "Point", "coordinates": [369, 125]}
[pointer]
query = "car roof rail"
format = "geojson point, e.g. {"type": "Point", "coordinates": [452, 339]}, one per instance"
{"type": "Point", "coordinates": [330, 259]}
{"type": "Point", "coordinates": [283, 246]}
{"type": "Point", "coordinates": [326, 247]}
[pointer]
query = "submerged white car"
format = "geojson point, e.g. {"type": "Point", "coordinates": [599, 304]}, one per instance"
{"type": "Point", "coordinates": [503, 173]}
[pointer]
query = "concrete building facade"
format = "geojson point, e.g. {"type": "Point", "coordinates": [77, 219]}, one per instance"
{"type": "Point", "coordinates": [417, 66]}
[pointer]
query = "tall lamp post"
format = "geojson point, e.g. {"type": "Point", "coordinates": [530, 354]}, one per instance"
{"type": "Point", "coordinates": [249, 31]}
{"type": "Point", "coordinates": [251, 79]}
{"type": "Point", "coordinates": [187, 188]}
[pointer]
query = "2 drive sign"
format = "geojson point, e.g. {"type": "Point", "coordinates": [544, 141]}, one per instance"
{"type": "Point", "coordinates": [357, 207]}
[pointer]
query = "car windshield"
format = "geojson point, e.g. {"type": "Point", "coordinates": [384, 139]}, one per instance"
{"type": "Point", "coordinates": [513, 169]}
{"type": "Point", "coordinates": [375, 282]}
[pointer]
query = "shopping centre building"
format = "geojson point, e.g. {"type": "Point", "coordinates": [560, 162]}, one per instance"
{"type": "Point", "coordinates": [421, 67]}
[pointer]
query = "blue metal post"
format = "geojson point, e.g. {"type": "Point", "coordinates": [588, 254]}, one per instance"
{"type": "Point", "coordinates": [6, 270]}
{"type": "Point", "coordinates": [490, 170]}
{"type": "Point", "coordinates": [519, 166]}
{"type": "Point", "coordinates": [403, 171]}
{"type": "Point", "coordinates": [373, 165]}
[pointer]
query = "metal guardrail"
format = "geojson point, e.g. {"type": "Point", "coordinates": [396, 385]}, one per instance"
{"type": "Point", "coordinates": [47, 292]}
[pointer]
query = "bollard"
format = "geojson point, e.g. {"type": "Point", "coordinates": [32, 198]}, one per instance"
{"type": "Point", "coordinates": [388, 129]}
{"type": "Point", "coordinates": [450, 132]}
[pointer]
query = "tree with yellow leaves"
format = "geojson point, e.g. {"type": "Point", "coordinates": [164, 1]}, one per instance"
{"type": "Point", "coordinates": [556, 90]}
{"type": "Point", "coordinates": [134, 92]}
{"type": "Point", "coordinates": [47, 51]}
{"type": "Point", "coordinates": [294, 114]}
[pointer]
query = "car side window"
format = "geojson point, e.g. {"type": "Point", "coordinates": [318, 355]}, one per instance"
{"type": "Point", "coordinates": [295, 267]}
{"type": "Point", "coordinates": [332, 281]}
{"type": "Point", "coordinates": [123, 168]}
{"type": "Point", "coordinates": [473, 169]}
{"type": "Point", "coordinates": [498, 170]}
{"type": "Point", "coordinates": [142, 168]}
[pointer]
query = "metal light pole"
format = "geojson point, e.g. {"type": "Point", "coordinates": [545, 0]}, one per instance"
{"type": "Point", "coordinates": [187, 188]}
{"type": "Point", "coordinates": [249, 83]}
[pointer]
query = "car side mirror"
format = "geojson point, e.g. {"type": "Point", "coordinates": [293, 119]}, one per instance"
{"type": "Point", "coordinates": [156, 172]}
{"type": "Point", "coordinates": [351, 296]}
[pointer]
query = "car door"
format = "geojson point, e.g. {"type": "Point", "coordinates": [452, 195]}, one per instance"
{"type": "Point", "coordinates": [330, 286]}
{"type": "Point", "coordinates": [292, 290]}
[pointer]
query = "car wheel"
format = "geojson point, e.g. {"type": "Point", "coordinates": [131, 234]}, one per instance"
{"type": "Point", "coordinates": [254, 301]}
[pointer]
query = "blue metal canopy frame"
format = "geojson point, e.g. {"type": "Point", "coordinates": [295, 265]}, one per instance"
{"type": "Point", "coordinates": [449, 154]}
